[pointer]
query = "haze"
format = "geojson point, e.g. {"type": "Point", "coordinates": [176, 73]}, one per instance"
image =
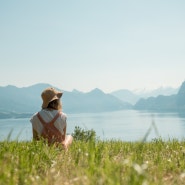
{"type": "Point", "coordinates": [108, 44]}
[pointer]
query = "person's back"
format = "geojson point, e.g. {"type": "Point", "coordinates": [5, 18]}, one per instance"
{"type": "Point", "coordinates": [50, 123]}
{"type": "Point", "coordinates": [49, 131]}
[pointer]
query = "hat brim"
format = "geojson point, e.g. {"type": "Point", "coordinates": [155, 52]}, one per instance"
{"type": "Point", "coordinates": [56, 97]}
{"type": "Point", "coordinates": [59, 94]}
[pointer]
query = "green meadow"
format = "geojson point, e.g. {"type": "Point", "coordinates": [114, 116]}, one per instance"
{"type": "Point", "coordinates": [91, 161]}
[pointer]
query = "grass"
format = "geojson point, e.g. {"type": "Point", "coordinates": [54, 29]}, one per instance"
{"type": "Point", "coordinates": [93, 162]}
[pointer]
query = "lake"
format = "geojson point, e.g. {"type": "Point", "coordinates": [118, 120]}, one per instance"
{"type": "Point", "coordinates": [125, 125]}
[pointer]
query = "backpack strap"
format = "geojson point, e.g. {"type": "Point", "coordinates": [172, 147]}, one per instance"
{"type": "Point", "coordinates": [55, 118]}
{"type": "Point", "coordinates": [51, 122]}
{"type": "Point", "coordinates": [40, 118]}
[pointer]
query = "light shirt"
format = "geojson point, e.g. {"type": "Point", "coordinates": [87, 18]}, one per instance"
{"type": "Point", "coordinates": [47, 116]}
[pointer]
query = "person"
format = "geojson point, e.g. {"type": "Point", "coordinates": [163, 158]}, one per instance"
{"type": "Point", "coordinates": [50, 122]}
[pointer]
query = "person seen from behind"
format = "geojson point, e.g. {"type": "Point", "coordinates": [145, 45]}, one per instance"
{"type": "Point", "coordinates": [50, 122]}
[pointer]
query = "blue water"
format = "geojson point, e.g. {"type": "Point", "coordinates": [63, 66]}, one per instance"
{"type": "Point", "coordinates": [126, 125]}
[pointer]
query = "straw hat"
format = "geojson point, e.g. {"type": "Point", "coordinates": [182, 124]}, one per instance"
{"type": "Point", "coordinates": [49, 95]}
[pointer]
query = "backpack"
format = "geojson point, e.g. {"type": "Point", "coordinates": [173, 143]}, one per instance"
{"type": "Point", "coordinates": [50, 133]}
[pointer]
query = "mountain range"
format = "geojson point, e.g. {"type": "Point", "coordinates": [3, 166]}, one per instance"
{"type": "Point", "coordinates": [23, 102]}
{"type": "Point", "coordinates": [133, 96]}
{"type": "Point", "coordinates": [175, 102]}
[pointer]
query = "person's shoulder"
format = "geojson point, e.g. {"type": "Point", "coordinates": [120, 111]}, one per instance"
{"type": "Point", "coordinates": [35, 114]}
{"type": "Point", "coordinates": [63, 115]}
{"type": "Point", "coordinates": [33, 117]}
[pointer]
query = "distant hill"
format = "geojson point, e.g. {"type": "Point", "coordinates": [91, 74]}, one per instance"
{"type": "Point", "coordinates": [126, 96]}
{"type": "Point", "coordinates": [93, 101]}
{"type": "Point", "coordinates": [133, 96]}
{"type": "Point", "coordinates": [174, 102]}
{"type": "Point", "coordinates": [165, 91]}
{"type": "Point", "coordinates": [20, 102]}
{"type": "Point", "coordinates": [159, 103]}
{"type": "Point", "coordinates": [180, 99]}
{"type": "Point", "coordinates": [23, 102]}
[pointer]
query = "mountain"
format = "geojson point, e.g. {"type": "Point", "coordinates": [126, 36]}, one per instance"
{"type": "Point", "coordinates": [93, 101]}
{"type": "Point", "coordinates": [24, 99]}
{"type": "Point", "coordinates": [181, 97]}
{"type": "Point", "coordinates": [23, 102]}
{"type": "Point", "coordinates": [159, 103]}
{"type": "Point", "coordinates": [20, 102]}
{"type": "Point", "coordinates": [133, 96]}
{"type": "Point", "coordinates": [165, 91]}
{"type": "Point", "coordinates": [126, 96]}
{"type": "Point", "coordinates": [174, 102]}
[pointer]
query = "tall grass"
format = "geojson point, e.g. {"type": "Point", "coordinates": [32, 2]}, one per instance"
{"type": "Point", "coordinates": [93, 162]}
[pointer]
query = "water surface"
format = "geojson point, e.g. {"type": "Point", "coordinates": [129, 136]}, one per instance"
{"type": "Point", "coordinates": [126, 125]}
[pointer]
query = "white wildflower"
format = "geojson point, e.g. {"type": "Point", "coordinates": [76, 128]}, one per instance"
{"type": "Point", "coordinates": [145, 182]}
{"type": "Point", "coordinates": [140, 169]}
{"type": "Point", "coordinates": [126, 161]}
{"type": "Point", "coordinates": [182, 175]}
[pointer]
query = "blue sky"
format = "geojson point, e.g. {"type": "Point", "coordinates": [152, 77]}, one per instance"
{"type": "Point", "coordinates": [84, 44]}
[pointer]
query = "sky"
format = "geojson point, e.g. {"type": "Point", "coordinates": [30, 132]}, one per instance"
{"type": "Point", "coordinates": [87, 44]}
